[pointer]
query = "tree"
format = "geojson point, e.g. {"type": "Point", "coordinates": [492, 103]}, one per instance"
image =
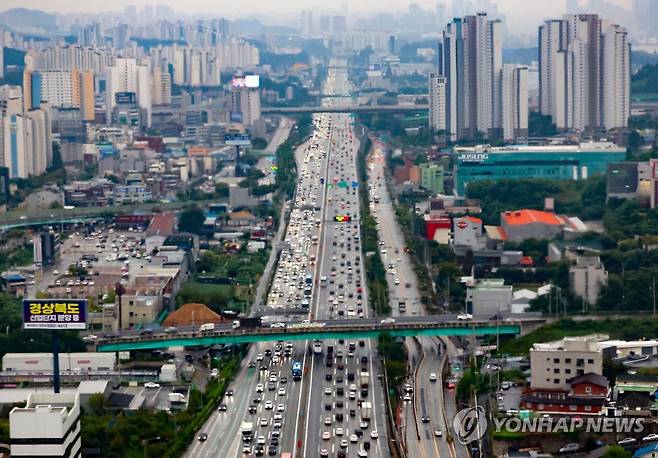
{"type": "Point", "coordinates": [634, 141]}
{"type": "Point", "coordinates": [191, 220]}
{"type": "Point", "coordinates": [97, 404]}
{"type": "Point", "coordinates": [616, 451]}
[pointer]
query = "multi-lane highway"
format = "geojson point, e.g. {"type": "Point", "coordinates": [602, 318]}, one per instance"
{"type": "Point", "coordinates": [343, 406]}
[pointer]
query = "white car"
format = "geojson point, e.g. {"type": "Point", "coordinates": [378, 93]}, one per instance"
{"type": "Point", "coordinates": [374, 434]}
{"type": "Point", "coordinates": [388, 320]}
{"type": "Point", "coordinates": [280, 408]}
{"type": "Point", "coordinates": [89, 338]}
{"type": "Point", "coordinates": [362, 453]}
{"type": "Point", "coordinates": [326, 435]}
{"type": "Point", "coordinates": [339, 431]}
{"type": "Point", "coordinates": [327, 391]}
{"type": "Point", "coordinates": [464, 317]}
{"type": "Point", "coordinates": [259, 388]}
{"type": "Point", "coordinates": [264, 422]}
{"type": "Point", "coordinates": [650, 438]}
{"type": "Point", "coordinates": [354, 439]}
{"type": "Point", "coordinates": [327, 421]}
{"type": "Point", "coordinates": [281, 392]}
{"type": "Point", "coordinates": [438, 433]}
{"type": "Point", "coordinates": [432, 377]}
{"type": "Point", "coordinates": [151, 385]}
{"type": "Point", "coordinates": [268, 405]}
{"type": "Point", "coordinates": [343, 443]}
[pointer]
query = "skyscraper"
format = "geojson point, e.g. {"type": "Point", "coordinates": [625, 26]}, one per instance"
{"type": "Point", "coordinates": [437, 102]}
{"type": "Point", "coordinates": [584, 73]}
{"type": "Point", "coordinates": [515, 102]}
{"type": "Point", "coordinates": [129, 76]}
{"type": "Point", "coordinates": [307, 23]}
{"type": "Point", "coordinates": [61, 89]}
{"type": "Point", "coordinates": [470, 58]}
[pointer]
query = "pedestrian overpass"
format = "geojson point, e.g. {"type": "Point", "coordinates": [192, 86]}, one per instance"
{"type": "Point", "coordinates": [314, 331]}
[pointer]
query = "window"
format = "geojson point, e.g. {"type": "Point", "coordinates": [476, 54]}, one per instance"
{"type": "Point", "coordinates": [580, 362]}
{"type": "Point", "coordinates": [580, 372]}
{"type": "Point", "coordinates": [572, 407]}
{"type": "Point", "coordinates": [556, 360]}
{"type": "Point", "coordinates": [588, 389]}
{"type": "Point", "coordinates": [590, 361]}
{"type": "Point", "coordinates": [556, 370]}
{"type": "Point", "coordinates": [588, 408]}
{"type": "Point", "coordinates": [567, 360]}
{"type": "Point", "coordinates": [567, 371]}
{"type": "Point", "coordinates": [556, 380]}
{"type": "Point", "coordinates": [540, 406]}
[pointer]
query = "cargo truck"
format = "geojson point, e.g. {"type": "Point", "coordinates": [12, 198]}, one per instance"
{"type": "Point", "coordinates": [364, 379]}
{"type": "Point", "coordinates": [366, 411]}
{"type": "Point", "coordinates": [207, 327]}
{"type": "Point", "coordinates": [247, 431]}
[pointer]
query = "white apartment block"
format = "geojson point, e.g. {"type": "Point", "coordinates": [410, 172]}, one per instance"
{"type": "Point", "coordinates": [584, 73]}
{"type": "Point", "coordinates": [127, 75]}
{"type": "Point", "coordinates": [48, 425]}
{"type": "Point", "coordinates": [554, 364]}
{"type": "Point", "coordinates": [514, 102]}
{"type": "Point", "coordinates": [437, 102]}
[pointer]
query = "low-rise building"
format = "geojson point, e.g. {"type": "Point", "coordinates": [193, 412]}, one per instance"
{"type": "Point", "coordinates": [584, 395]}
{"type": "Point", "coordinates": [525, 224]}
{"type": "Point", "coordinates": [489, 297]}
{"type": "Point", "coordinates": [467, 231]}
{"type": "Point", "coordinates": [587, 277]}
{"type": "Point", "coordinates": [554, 364]}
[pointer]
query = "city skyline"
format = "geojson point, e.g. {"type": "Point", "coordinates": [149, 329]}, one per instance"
{"type": "Point", "coordinates": [518, 17]}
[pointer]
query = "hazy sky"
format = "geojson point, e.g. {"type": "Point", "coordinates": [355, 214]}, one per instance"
{"type": "Point", "coordinates": [513, 8]}
{"type": "Point", "coordinates": [522, 15]}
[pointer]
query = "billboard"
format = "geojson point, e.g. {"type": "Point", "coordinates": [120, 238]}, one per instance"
{"type": "Point", "coordinates": [237, 139]}
{"type": "Point", "coordinates": [251, 81]}
{"type": "Point", "coordinates": [54, 314]}
{"type": "Point", "coordinates": [125, 98]}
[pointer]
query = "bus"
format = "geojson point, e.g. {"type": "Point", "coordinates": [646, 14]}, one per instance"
{"type": "Point", "coordinates": [296, 371]}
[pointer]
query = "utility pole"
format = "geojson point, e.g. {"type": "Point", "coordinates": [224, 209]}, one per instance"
{"type": "Point", "coordinates": [653, 294]}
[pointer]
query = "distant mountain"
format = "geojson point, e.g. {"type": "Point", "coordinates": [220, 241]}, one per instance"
{"type": "Point", "coordinates": [23, 19]}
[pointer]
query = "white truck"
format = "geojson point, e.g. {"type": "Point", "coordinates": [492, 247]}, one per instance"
{"type": "Point", "coordinates": [366, 411]}
{"type": "Point", "coordinates": [247, 431]}
{"type": "Point", "coordinates": [177, 398]}
{"type": "Point", "coordinates": [364, 379]}
{"type": "Point", "coordinates": [206, 327]}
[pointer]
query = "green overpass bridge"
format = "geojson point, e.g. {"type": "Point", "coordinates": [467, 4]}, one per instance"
{"type": "Point", "coordinates": [420, 326]}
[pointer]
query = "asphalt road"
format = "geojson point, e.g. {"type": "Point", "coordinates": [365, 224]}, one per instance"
{"type": "Point", "coordinates": [330, 392]}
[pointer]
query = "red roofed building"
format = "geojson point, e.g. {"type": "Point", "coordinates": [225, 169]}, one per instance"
{"type": "Point", "coordinates": [520, 225]}
{"type": "Point", "coordinates": [436, 222]}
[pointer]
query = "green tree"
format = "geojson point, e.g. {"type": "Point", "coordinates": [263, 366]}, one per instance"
{"type": "Point", "coordinates": [191, 220]}
{"type": "Point", "coordinates": [98, 404]}
{"type": "Point", "coordinates": [616, 451]}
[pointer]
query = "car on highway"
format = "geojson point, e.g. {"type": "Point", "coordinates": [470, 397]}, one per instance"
{"type": "Point", "coordinates": [202, 437]}
{"type": "Point", "coordinates": [425, 419]}
{"type": "Point", "coordinates": [388, 320]}
{"type": "Point", "coordinates": [326, 435]}
{"type": "Point", "coordinates": [464, 317]}
{"type": "Point", "coordinates": [151, 385]}
{"type": "Point", "coordinates": [627, 441]}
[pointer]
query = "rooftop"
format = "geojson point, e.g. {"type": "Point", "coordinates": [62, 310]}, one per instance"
{"type": "Point", "coordinates": [520, 217]}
